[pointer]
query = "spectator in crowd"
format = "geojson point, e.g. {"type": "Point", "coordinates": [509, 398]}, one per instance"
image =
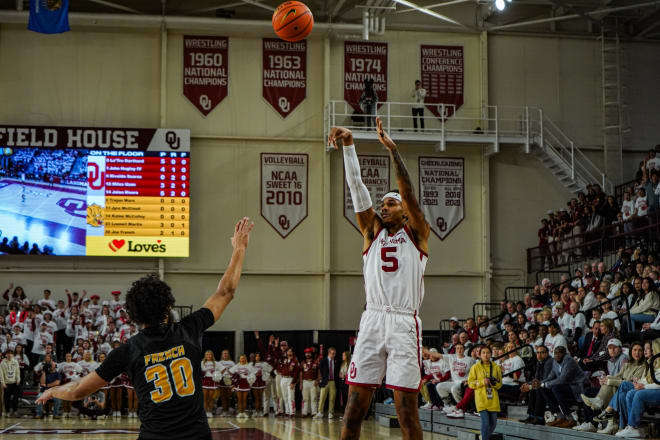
{"type": "Point", "coordinates": [10, 378]}
{"type": "Point", "coordinates": [563, 388]}
{"type": "Point", "coordinates": [329, 376]}
{"type": "Point", "coordinates": [459, 365]}
{"type": "Point", "coordinates": [642, 310]}
{"type": "Point", "coordinates": [485, 378]}
{"type": "Point", "coordinates": [418, 95]}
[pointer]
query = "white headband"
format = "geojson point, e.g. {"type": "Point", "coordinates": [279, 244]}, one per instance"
{"type": "Point", "coordinates": [392, 195]}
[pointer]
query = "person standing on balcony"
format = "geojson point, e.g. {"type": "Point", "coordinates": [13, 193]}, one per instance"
{"type": "Point", "coordinates": [369, 101]}
{"type": "Point", "coordinates": [418, 94]}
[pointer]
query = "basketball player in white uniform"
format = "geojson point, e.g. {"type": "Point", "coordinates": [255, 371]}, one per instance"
{"type": "Point", "coordinates": [395, 254]}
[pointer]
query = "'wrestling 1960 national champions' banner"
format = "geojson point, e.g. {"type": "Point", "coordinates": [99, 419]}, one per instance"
{"type": "Point", "coordinates": [442, 76]}
{"type": "Point", "coordinates": [284, 190]}
{"type": "Point", "coordinates": [375, 172]}
{"type": "Point", "coordinates": [205, 72]}
{"type": "Point", "coordinates": [364, 60]}
{"type": "Point", "coordinates": [284, 74]}
{"type": "Point", "coordinates": [442, 192]}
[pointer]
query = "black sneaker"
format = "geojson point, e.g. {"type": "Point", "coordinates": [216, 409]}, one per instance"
{"type": "Point", "coordinates": [604, 416]}
{"type": "Point", "coordinates": [529, 419]}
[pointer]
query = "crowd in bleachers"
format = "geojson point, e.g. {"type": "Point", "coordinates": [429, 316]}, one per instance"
{"type": "Point", "coordinates": [577, 352]}
{"type": "Point", "coordinates": [46, 342]}
{"type": "Point", "coordinates": [52, 166]}
{"type": "Point", "coordinates": [564, 231]}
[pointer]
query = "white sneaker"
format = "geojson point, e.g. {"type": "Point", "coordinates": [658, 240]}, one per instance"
{"type": "Point", "coordinates": [592, 402]}
{"type": "Point", "coordinates": [549, 417]}
{"type": "Point", "coordinates": [448, 409]}
{"type": "Point", "coordinates": [208, 415]}
{"type": "Point", "coordinates": [331, 416]}
{"type": "Point", "coordinates": [318, 416]}
{"type": "Point", "coordinates": [456, 414]}
{"type": "Point", "coordinates": [624, 432]}
{"type": "Point", "coordinates": [585, 427]}
{"type": "Point", "coordinates": [427, 406]}
{"type": "Point", "coordinates": [611, 428]}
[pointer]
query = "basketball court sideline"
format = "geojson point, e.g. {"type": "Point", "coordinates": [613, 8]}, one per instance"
{"type": "Point", "coordinates": [269, 428]}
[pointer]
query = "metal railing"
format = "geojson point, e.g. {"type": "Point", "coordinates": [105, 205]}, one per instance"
{"type": "Point", "coordinates": [486, 308]}
{"type": "Point", "coordinates": [529, 124]}
{"type": "Point", "coordinates": [553, 275]}
{"type": "Point", "coordinates": [593, 244]}
{"type": "Point", "coordinates": [517, 293]}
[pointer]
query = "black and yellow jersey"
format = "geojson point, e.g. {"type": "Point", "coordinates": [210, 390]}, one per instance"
{"type": "Point", "coordinates": [164, 366]}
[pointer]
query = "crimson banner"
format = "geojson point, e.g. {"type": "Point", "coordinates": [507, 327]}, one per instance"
{"type": "Point", "coordinates": [284, 74]}
{"type": "Point", "coordinates": [364, 60]}
{"type": "Point", "coordinates": [205, 72]}
{"type": "Point", "coordinates": [442, 77]}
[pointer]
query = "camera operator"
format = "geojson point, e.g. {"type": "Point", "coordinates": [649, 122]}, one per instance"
{"type": "Point", "coordinates": [94, 405]}
{"type": "Point", "coordinates": [49, 378]}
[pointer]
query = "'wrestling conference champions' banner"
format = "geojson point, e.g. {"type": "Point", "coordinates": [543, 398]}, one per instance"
{"type": "Point", "coordinates": [284, 190]}
{"type": "Point", "coordinates": [375, 172]}
{"type": "Point", "coordinates": [364, 60]}
{"type": "Point", "coordinates": [205, 71]}
{"type": "Point", "coordinates": [284, 74]}
{"type": "Point", "coordinates": [442, 70]}
{"type": "Point", "coordinates": [442, 192]}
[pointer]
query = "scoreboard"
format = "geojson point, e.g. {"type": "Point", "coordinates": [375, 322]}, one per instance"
{"type": "Point", "coordinates": [136, 186]}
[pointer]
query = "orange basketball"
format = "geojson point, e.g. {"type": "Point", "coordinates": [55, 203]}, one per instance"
{"type": "Point", "coordinates": [293, 21]}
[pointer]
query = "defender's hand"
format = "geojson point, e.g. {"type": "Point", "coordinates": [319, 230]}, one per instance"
{"type": "Point", "coordinates": [45, 397]}
{"type": "Point", "coordinates": [384, 137]}
{"type": "Point", "coordinates": [342, 133]}
{"type": "Point", "coordinates": [242, 233]}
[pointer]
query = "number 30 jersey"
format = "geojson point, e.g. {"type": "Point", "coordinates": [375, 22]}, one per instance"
{"type": "Point", "coordinates": [394, 271]}
{"type": "Point", "coordinates": [164, 366]}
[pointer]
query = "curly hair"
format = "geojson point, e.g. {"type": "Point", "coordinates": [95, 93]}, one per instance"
{"type": "Point", "coordinates": [149, 300]}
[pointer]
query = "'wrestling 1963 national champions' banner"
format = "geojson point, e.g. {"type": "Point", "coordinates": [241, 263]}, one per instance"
{"type": "Point", "coordinates": [442, 70]}
{"type": "Point", "coordinates": [364, 60]}
{"type": "Point", "coordinates": [442, 192]}
{"type": "Point", "coordinates": [375, 172]}
{"type": "Point", "coordinates": [284, 190]}
{"type": "Point", "coordinates": [205, 72]}
{"type": "Point", "coordinates": [284, 74]}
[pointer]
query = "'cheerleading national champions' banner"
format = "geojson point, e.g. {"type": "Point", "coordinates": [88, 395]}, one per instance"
{"type": "Point", "coordinates": [284, 74]}
{"type": "Point", "coordinates": [442, 70]}
{"type": "Point", "coordinates": [442, 192]}
{"type": "Point", "coordinates": [205, 72]}
{"type": "Point", "coordinates": [364, 60]}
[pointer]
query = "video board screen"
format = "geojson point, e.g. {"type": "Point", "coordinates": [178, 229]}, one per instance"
{"type": "Point", "coordinates": [94, 191]}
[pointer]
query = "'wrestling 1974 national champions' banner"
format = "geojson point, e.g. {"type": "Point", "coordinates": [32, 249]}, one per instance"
{"type": "Point", "coordinates": [364, 60]}
{"type": "Point", "coordinates": [375, 172]}
{"type": "Point", "coordinates": [284, 190]}
{"type": "Point", "coordinates": [442, 192]}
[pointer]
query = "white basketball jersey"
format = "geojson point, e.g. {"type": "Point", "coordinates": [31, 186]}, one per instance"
{"type": "Point", "coordinates": [394, 271]}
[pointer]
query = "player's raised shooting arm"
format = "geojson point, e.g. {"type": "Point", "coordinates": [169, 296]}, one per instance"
{"type": "Point", "coordinates": [364, 211]}
{"type": "Point", "coordinates": [416, 219]}
{"type": "Point", "coordinates": [76, 390]}
{"type": "Point", "coordinates": [223, 295]}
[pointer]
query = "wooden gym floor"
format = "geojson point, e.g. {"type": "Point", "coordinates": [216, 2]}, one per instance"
{"type": "Point", "coordinates": [267, 428]}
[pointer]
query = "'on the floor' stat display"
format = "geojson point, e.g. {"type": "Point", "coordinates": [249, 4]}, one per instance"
{"type": "Point", "coordinates": [94, 191]}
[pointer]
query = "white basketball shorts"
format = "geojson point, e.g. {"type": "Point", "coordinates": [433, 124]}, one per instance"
{"type": "Point", "coordinates": [389, 344]}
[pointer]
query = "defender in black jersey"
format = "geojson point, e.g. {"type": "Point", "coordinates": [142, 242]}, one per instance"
{"type": "Point", "coordinates": [163, 361]}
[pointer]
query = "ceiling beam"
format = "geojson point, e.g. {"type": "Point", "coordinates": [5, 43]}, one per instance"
{"type": "Point", "coordinates": [574, 16]}
{"type": "Point", "coordinates": [648, 23]}
{"type": "Point", "coordinates": [215, 8]}
{"type": "Point", "coordinates": [115, 6]}
{"type": "Point", "coordinates": [259, 4]}
{"type": "Point", "coordinates": [436, 5]}
{"type": "Point", "coordinates": [432, 13]}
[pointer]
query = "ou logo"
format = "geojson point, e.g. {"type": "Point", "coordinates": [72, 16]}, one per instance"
{"type": "Point", "coordinates": [95, 177]}
{"type": "Point", "coordinates": [353, 371]}
{"type": "Point", "coordinates": [205, 102]}
{"type": "Point", "coordinates": [284, 104]}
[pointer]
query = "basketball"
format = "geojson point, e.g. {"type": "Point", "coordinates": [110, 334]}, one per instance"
{"type": "Point", "coordinates": [293, 21]}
